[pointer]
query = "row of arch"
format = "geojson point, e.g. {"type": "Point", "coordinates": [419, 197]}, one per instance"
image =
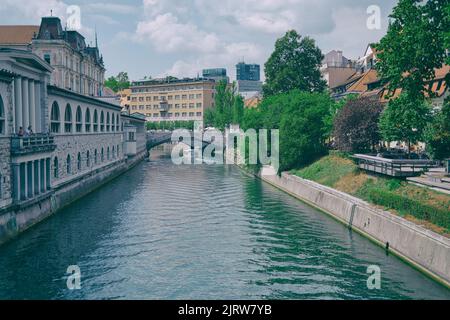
{"type": "Point", "coordinates": [85, 163]}
{"type": "Point", "coordinates": [99, 122]}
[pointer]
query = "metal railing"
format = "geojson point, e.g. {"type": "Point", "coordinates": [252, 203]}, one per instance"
{"type": "Point", "coordinates": [395, 167]}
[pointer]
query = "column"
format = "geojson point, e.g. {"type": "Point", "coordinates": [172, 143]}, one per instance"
{"type": "Point", "coordinates": [39, 125]}
{"type": "Point", "coordinates": [18, 102]}
{"type": "Point", "coordinates": [32, 104]}
{"type": "Point", "coordinates": [25, 103]}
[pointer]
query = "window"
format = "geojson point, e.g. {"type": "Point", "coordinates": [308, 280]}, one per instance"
{"type": "Point", "coordinates": [95, 121]}
{"type": "Point", "coordinates": [78, 120]}
{"type": "Point", "coordinates": [88, 120]}
{"type": "Point", "coordinates": [199, 114]}
{"type": "Point", "coordinates": [113, 124]}
{"type": "Point", "coordinates": [199, 105]}
{"type": "Point", "coordinates": [102, 156]}
{"type": "Point", "coordinates": [102, 122]}
{"type": "Point", "coordinates": [68, 165]}
{"type": "Point", "coordinates": [113, 152]}
{"type": "Point", "coordinates": [47, 58]}
{"type": "Point", "coordinates": [68, 119]}
{"type": "Point", "coordinates": [118, 151]}
{"type": "Point", "coordinates": [95, 156]}
{"type": "Point", "coordinates": [55, 118]}
{"type": "Point", "coordinates": [2, 117]}
{"type": "Point", "coordinates": [55, 168]}
{"type": "Point", "coordinates": [117, 123]}
{"type": "Point", "coordinates": [79, 161]}
{"type": "Point", "coordinates": [88, 159]}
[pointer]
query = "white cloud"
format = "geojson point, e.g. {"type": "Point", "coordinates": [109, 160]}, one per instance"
{"type": "Point", "coordinates": [167, 34]}
{"type": "Point", "coordinates": [103, 7]}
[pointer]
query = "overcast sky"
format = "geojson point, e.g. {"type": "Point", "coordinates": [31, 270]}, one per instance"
{"type": "Point", "coordinates": [181, 37]}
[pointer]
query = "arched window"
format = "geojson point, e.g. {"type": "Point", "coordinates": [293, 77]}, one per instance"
{"type": "Point", "coordinates": [68, 165]}
{"type": "Point", "coordinates": [55, 118]}
{"type": "Point", "coordinates": [88, 120]}
{"type": "Point", "coordinates": [55, 168]}
{"type": "Point", "coordinates": [113, 152]}
{"type": "Point", "coordinates": [79, 161]}
{"type": "Point", "coordinates": [107, 154]}
{"type": "Point", "coordinates": [2, 117]}
{"type": "Point", "coordinates": [102, 122]}
{"type": "Point", "coordinates": [102, 157]}
{"type": "Point", "coordinates": [79, 119]}
{"type": "Point", "coordinates": [107, 122]}
{"type": "Point", "coordinates": [113, 123]}
{"type": "Point", "coordinates": [95, 121]}
{"type": "Point", "coordinates": [68, 119]}
{"type": "Point", "coordinates": [95, 156]}
{"type": "Point", "coordinates": [88, 159]}
{"type": "Point", "coordinates": [118, 155]}
{"type": "Point", "coordinates": [117, 123]}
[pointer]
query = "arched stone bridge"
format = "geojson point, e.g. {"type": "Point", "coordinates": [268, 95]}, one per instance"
{"type": "Point", "coordinates": [157, 138]}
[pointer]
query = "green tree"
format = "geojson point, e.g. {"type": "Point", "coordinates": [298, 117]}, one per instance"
{"type": "Point", "coordinates": [294, 64]}
{"type": "Point", "coordinates": [303, 128]}
{"type": "Point", "coordinates": [119, 82]}
{"type": "Point", "coordinates": [437, 134]}
{"type": "Point", "coordinates": [404, 120]}
{"type": "Point", "coordinates": [414, 45]}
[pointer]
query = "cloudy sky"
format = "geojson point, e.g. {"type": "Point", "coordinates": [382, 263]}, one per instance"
{"type": "Point", "coordinates": [181, 37]}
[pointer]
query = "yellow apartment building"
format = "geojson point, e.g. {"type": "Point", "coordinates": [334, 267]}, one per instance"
{"type": "Point", "coordinates": [171, 99]}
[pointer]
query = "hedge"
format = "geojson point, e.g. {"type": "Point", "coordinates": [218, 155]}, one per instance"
{"type": "Point", "coordinates": [404, 205]}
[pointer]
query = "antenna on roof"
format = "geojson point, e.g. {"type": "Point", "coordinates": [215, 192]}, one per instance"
{"type": "Point", "coordinates": [96, 42]}
{"type": "Point", "coordinates": [51, 12]}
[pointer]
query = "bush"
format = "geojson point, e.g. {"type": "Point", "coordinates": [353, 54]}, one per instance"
{"type": "Point", "coordinates": [410, 206]}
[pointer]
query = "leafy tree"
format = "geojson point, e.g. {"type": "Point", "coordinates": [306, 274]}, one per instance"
{"type": "Point", "coordinates": [119, 82]}
{"type": "Point", "coordinates": [356, 125]}
{"type": "Point", "coordinates": [437, 134]}
{"type": "Point", "coordinates": [404, 120]}
{"type": "Point", "coordinates": [302, 128]}
{"type": "Point", "coordinates": [294, 64]}
{"type": "Point", "coordinates": [414, 45]}
{"type": "Point", "coordinates": [228, 107]}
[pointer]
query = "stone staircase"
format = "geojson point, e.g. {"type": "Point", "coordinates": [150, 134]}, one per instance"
{"type": "Point", "coordinates": [435, 178]}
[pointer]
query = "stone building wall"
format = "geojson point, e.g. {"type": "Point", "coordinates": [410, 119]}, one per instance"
{"type": "Point", "coordinates": [80, 144]}
{"type": "Point", "coordinates": [5, 172]}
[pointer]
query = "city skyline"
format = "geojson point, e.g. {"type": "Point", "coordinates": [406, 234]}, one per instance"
{"type": "Point", "coordinates": [182, 38]}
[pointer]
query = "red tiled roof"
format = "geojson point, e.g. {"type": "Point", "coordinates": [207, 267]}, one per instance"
{"type": "Point", "coordinates": [17, 34]}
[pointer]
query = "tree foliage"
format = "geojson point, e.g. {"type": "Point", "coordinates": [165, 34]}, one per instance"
{"type": "Point", "coordinates": [414, 45]}
{"type": "Point", "coordinates": [228, 107]}
{"type": "Point", "coordinates": [119, 82]}
{"type": "Point", "coordinates": [404, 119]}
{"type": "Point", "coordinates": [356, 125]}
{"type": "Point", "coordinates": [294, 64]}
{"type": "Point", "coordinates": [437, 134]}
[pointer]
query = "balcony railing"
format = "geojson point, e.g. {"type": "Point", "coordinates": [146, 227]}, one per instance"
{"type": "Point", "coordinates": [32, 144]}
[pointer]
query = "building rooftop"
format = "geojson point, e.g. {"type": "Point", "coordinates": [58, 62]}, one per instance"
{"type": "Point", "coordinates": [16, 34]}
{"type": "Point", "coordinates": [169, 80]}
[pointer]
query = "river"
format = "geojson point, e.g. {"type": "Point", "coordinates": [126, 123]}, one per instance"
{"type": "Point", "coordinates": [162, 231]}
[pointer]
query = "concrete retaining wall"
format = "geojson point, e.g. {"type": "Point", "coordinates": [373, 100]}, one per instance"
{"type": "Point", "coordinates": [16, 219]}
{"type": "Point", "coordinates": [423, 248]}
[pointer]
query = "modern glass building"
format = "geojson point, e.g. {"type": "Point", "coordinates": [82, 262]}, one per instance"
{"type": "Point", "coordinates": [250, 72]}
{"type": "Point", "coordinates": [216, 74]}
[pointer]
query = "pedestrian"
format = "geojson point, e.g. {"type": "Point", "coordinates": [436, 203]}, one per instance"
{"type": "Point", "coordinates": [21, 132]}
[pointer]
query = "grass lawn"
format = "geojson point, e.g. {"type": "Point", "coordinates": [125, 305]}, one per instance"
{"type": "Point", "coordinates": [420, 205]}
